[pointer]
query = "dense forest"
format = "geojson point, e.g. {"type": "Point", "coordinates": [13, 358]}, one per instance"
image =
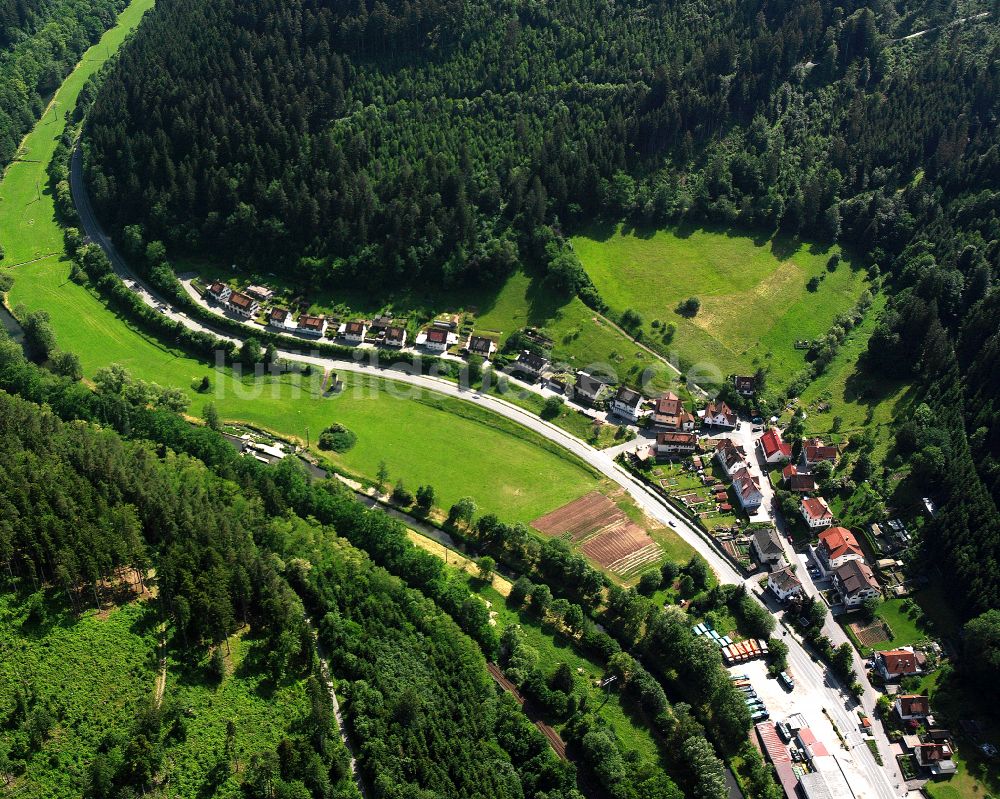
{"type": "Point", "coordinates": [40, 42]}
{"type": "Point", "coordinates": [385, 143]}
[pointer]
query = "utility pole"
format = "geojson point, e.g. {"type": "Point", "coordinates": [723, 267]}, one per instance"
{"type": "Point", "coordinates": [308, 445]}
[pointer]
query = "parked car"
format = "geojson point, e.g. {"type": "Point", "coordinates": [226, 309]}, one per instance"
{"type": "Point", "coordinates": [763, 715]}
{"type": "Point", "coordinates": [787, 680]}
{"type": "Point", "coordinates": [784, 731]}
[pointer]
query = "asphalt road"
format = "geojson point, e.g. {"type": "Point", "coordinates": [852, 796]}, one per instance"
{"type": "Point", "coordinates": [815, 685]}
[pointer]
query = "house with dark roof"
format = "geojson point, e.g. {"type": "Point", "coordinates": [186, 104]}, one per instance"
{"type": "Point", "coordinates": [784, 583]}
{"type": "Point", "coordinates": [896, 663]}
{"type": "Point", "coordinates": [836, 546]}
{"type": "Point", "coordinates": [911, 707]}
{"type": "Point", "coordinates": [627, 404]}
{"type": "Point", "coordinates": [795, 482]}
{"type": "Point", "coordinates": [281, 319]}
{"type": "Point", "coordinates": [480, 345]}
{"type": "Point", "coordinates": [669, 413]}
{"type": "Point", "coordinates": [718, 414]}
{"type": "Point", "coordinates": [312, 326]}
{"type": "Point", "coordinates": [816, 512]}
{"type": "Point", "coordinates": [746, 385]}
{"type": "Point", "coordinates": [814, 451]}
{"type": "Point", "coordinates": [243, 305]}
{"type": "Point", "coordinates": [395, 336]}
{"type": "Point", "coordinates": [530, 363]}
{"type": "Point", "coordinates": [219, 292]}
{"type": "Point", "coordinates": [767, 547]}
{"type": "Point", "coordinates": [855, 583]}
{"type": "Point", "coordinates": [436, 339]}
{"type": "Point", "coordinates": [773, 448]}
{"type": "Point", "coordinates": [675, 442]}
{"type": "Point", "coordinates": [381, 323]}
{"type": "Point", "coordinates": [355, 331]}
{"type": "Point", "coordinates": [936, 758]}
{"type": "Point", "coordinates": [587, 388]}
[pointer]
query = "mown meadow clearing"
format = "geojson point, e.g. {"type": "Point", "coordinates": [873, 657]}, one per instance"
{"type": "Point", "coordinates": [754, 293]}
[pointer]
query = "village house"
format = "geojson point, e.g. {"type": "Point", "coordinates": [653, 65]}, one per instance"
{"type": "Point", "coordinates": [669, 413]}
{"type": "Point", "coordinates": [280, 319]}
{"type": "Point", "coordinates": [893, 664]}
{"type": "Point", "coordinates": [912, 707]}
{"type": "Point", "coordinates": [784, 583]}
{"type": "Point", "coordinates": [395, 336]}
{"type": "Point", "coordinates": [936, 758]}
{"type": "Point", "coordinates": [837, 545]}
{"type": "Point", "coordinates": [767, 547]}
{"type": "Point", "coordinates": [446, 322]}
{"type": "Point", "coordinates": [480, 345]}
{"type": "Point", "coordinates": [729, 456]}
{"type": "Point", "coordinates": [243, 305]}
{"type": "Point", "coordinates": [219, 292]}
{"type": "Point", "coordinates": [746, 385]}
{"type": "Point", "coordinates": [747, 489]}
{"type": "Point", "coordinates": [355, 331]}
{"type": "Point", "coordinates": [587, 388]}
{"type": "Point", "coordinates": [718, 414]}
{"type": "Point", "coordinates": [816, 512]}
{"type": "Point", "coordinates": [437, 339]}
{"type": "Point", "coordinates": [627, 404]}
{"type": "Point", "coordinates": [773, 448]}
{"type": "Point", "coordinates": [381, 323]}
{"type": "Point", "coordinates": [795, 482]}
{"type": "Point", "coordinates": [313, 326]}
{"type": "Point", "coordinates": [855, 583]}
{"type": "Point", "coordinates": [815, 451]}
{"type": "Point", "coordinates": [675, 442]}
{"type": "Point", "coordinates": [530, 364]}
{"type": "Point", "coordinates": [262, 293]}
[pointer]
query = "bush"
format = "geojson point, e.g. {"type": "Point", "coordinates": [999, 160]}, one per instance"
{"type": "Point", "coordinates": [690, 307]}
{"type": "Point", "coordinates": [649, 582]}
{"type": "Point", "coordinates": [552, 408]}
{"type": "Point", "coordinates": [338, 438]}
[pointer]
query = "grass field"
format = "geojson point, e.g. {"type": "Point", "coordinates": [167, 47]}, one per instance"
{"type": "Point", "coordinates": [92, 673]}
{"type": "Point", "coordinates": [754, 297]}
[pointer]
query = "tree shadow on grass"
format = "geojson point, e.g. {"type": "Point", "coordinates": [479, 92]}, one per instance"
{"type": "Point", "coordinates": [784, 247]}
{"type": "Point", "coordinates": [543, 304]}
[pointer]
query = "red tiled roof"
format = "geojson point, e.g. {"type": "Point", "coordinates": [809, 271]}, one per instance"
{"type": "Point", "coordinates": [789, 472]}
{"type": "Point", "coordinates": [677, 437]}
{"type": "Point", "coordinates": [816, 508]}
{"type": "Point", "coordinates": [355, 328]}
{"type": "Point", "coordinates": [278, 315]}
{"type": "Point", "coordinates": [839, 541]}
{"type": "Point", "coordinates": [240, 300]}
{"type": "Point", "coordinates": [899, 661]}
{"type": "Point", "coordinates": [914, 705]}
{"type": "Point", "coordinates": [815, 450]}
{"type": "Point", "coordinates": [772, 444]}
{"type": "Point", "coordinates": [311, 322]}
{"type": "Point", "coordinates": [437, 336]}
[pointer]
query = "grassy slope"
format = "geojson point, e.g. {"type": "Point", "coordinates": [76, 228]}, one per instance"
{"type": "Point", "coordinates": [754, 300]}
{"type": "Point", "coordinates": [92, 672]}
{"type": "Point", "coordinates": [509, 475]}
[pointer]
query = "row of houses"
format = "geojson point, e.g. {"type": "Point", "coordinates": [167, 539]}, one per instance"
{"type": "Point", "coordinates": [733, 460]}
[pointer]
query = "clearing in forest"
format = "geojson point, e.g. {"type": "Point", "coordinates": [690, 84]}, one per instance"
{"type": "Point", "coordinates": [755, 293]}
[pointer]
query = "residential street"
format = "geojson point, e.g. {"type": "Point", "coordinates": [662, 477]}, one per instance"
{"type": "Point", "coordinates": [815, 688]}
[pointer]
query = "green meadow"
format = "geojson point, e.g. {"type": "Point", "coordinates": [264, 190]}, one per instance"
{"type": "Point", "coordinates": [755, 300]}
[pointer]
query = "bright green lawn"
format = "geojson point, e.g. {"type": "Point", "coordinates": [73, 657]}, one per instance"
{"type": "Point", "coordinates": [92, 673]}
{"type": "Point", "coordinates": [754, 300]}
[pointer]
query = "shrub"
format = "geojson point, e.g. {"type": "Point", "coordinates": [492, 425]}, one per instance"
{"type": "Point", "coordinates": [338, 438]}
{"type": "Point", "coordinates": [689, 307]}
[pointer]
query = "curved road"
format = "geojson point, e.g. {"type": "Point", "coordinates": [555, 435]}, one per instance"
{"type": "Point", "coordinates": [812, 678]}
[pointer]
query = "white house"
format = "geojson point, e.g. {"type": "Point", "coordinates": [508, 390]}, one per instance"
{"type": "Point", "coordinates": [895, 663]}
{"type": "Point", "coordinates": [746, 385]}
{"type": "Point", "coordinates": [587, 388]}
{"type": "Point", "coordinates": [816, 512]}
{"type": "Point", "coordinates": [355, 331]}
{"type": "Point", "coordinates": [243, 305]}
{"type": "Point", "coordinates": [912, 706]}
{"type": "Point", "coordinates": [280, 319]}
{"type": "Point", "coordinates": [855, 583]}
{"type": "Point", "coordinates": [480, 345]}
{"type": "Point", "coordinates": [837, 545]}
{"type": "Point", "coordinates": [767, 546]}
{"type": "Point", "coordinates": [314, 326]}
{"type": "Point", "coordinates": [747, 490]}
{"type": "Point", "coordinates": [675, 442]}
{"type": "Point", "coordinates": [395, 336]}
{"type": "Point", "coordinates": [784, 584]}
{"type": "Point", "coordinates": [530, 364]}
{"type": "Point", "coordinates": [935, 757]}
{"type": "Point", "coordinates": [669, 413]}
{"type": "Point", "coordinates": [772, 448]}
{"type": "Point", "coordinates": [436, 339]}
{"type": "Point", "coordinates": [219, 292]}
{"type": "Point", "coordinates": [627, 404]}
{"type": "Point", "coordinates": [729, 456]}
{"type": "Point", "coordinates": [814, 451]}
{"type": "Point", "coordinates": [718, 414]}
